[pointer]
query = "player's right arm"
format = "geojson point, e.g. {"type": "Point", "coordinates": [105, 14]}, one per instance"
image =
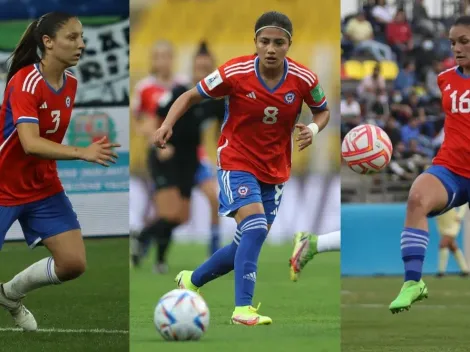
{"type": "Point", "coordinates": [25, 113]}
{"type": "Point", "coordinates": [213, 86]}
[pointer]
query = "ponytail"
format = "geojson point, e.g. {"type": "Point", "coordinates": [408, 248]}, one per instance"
{"type": "Point", "coordinates": [26, 52]}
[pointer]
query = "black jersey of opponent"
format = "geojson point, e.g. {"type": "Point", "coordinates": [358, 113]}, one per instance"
{"type": "Point", "coordinates": [187, 130]}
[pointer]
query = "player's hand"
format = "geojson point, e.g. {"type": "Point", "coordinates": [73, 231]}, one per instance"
{"type": "Point", "coordinates": [166, 153]}
{"type": "Point", "coordinates": [101, 152]}
{"type": "Point", "coordinates": [162, 135]}
{"type": "Point", "coordinates": [305, 137]}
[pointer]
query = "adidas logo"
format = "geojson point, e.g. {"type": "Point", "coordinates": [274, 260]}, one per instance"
{"type": "Point", "coordinates": [251, 95]}
{"type": "Point", "coordinates": [43, 106]}
{"type": "Point", "coordinates": [447, 87]}
{"type": "Point", "coordinates": [250, 276]}
{"type": "Point", "coordinates": [274, 212]}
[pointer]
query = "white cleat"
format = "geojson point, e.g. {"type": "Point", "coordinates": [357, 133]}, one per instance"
{"type": "Point", "coordinates": [22, 317]}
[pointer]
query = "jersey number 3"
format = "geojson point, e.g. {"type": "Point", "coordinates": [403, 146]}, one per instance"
{"type": "Point", "coordinates": [462, 103]}
{"type": "Point", "coordinates": [55, 114]}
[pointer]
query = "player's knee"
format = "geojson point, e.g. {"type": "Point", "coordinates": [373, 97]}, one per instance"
{"type": "Point", "coordinates": [418, 202]}
{"type": "Point", "coordinates": [71, 268]}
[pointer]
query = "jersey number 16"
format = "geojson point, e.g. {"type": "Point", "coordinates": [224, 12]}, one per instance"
{"type": "Point", "coordinates": [55, 114]}
{"type": "Point", "coordinates": [463, 102]}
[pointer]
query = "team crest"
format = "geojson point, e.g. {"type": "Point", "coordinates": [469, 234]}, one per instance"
{"type": "Point", "coordinates": [67, 101]}
{"type": "Point", "coordinates": [289, 97]}
{"type": "Point", "coordinates": [243, 191]}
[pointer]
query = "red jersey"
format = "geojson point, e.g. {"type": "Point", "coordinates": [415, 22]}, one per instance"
{"type": "Point", "coordinates": [148, 92]}
{"type": "Point", "coordinates": [454, 153]}
{"type": "Point", "coordinates": [29, 99]}
{"type": "Point", "coordinates": [259, 122]}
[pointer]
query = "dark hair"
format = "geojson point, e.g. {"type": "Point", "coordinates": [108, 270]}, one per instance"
{"type": "Point", "coordinates": [462, 20]}
{"type": "Point", "coordinates": [26, 52]}
{"type": "Point", "coordinates": [274, 18]}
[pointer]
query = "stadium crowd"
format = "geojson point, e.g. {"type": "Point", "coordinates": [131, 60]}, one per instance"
{"type": "Point", "coordinates": [405, 104]}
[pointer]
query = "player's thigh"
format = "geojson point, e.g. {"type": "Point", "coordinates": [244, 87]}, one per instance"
{"type": "Point", "coordinates": [436, 191]}
{"type": "Point", "coordinates": [240, 194]}
{"type": "Point", "coordinates": [8, 215]}
{"type": "Point", "coordinates": [48, 218]}
{"type": "Point", "coordinates": [271, 196]}
{"type": "Point", "coordinates": [209, 188]}
{"type": "Point", "coordinates": [167, 195]}
{"type": "Point", "coordinates": [204, 175]}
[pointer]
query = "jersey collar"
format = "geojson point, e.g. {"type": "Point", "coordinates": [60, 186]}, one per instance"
{"type": "Point", "coordinates": [260, 79]}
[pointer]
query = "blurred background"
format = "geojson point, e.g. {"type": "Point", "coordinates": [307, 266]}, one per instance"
{"type": "Point", "coordinates": [101, 106]}
{"type": "Point", "coordinates": [311, 199]}
{"type": "Point", "coordinates": [392, 52]}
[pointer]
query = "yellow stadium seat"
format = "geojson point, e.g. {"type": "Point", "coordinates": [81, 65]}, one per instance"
{"type": "Point", "coordinates": [354, 69]}
{"type": "Point", "coordinates": [368, 67]}
{"type": "Point", "coordinates": [389, 70]}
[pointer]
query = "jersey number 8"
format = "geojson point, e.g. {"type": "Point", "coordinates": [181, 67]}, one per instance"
{"type": "Point", "coordinates": [56, 119]}
{"type": "Point", "coordinates": [270, 115]}
{"type": "Point", "coordinates": [463, 102]}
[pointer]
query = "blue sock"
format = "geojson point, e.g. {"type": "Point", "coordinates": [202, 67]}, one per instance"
{"type": "Point", "coordinates": [254, 229]}
{"type": "Point", "coordinates": [413, 249]}
{"type": "Point", "coordinates": [220, 263]}
{"type": "Point", "coordinates": [215, 239]}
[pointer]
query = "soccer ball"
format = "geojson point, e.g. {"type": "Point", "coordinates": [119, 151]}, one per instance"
{"type": "Point", "coordinates": [367, 149]}
{"type": "Point", "coordinates": [181, 315]}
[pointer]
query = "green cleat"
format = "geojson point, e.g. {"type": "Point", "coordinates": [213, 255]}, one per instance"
{"type": "Point", "coordinates": [305, 248]}
{"type": "Point", "coordinates": [411, 292]}
{"type": "Point", "coordinates": [183, 281]}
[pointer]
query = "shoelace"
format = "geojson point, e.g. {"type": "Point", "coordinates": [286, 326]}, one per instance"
{"type": "Point", "coordinates": [255, 310]}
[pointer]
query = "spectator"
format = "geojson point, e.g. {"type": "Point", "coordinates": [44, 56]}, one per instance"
{"type": "Point", "coordinates": [406, 78]}
{"type": "Point", "coordinates": [431, 80]}
{"type": "Point", "coordinates": [350, 112]}
{"type": "Point", "coordinates": [399, 36]}
{"type": "Point", "coordinates": [360, 32]}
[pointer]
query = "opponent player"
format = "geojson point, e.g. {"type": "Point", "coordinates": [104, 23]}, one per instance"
{"type": "Point", "coordinates": [263, 97]}
{"type": "Point", "coordinates": [35, 114]}
{"type": "Point", "coordinates": [446, 184]}
{"type": "Point", "coordinates": [307, 245]}
{"type": "Point", "coordinates": [149, 91]}
{"type": "Point", "coordinates": [449, 225]}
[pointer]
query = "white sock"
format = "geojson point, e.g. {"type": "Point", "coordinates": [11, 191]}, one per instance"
{"type": "Point", "coordinates": [329, 242]}
{"type": "Point", "coordinates": [41, 273]}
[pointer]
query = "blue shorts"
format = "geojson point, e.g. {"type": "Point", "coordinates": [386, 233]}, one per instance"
{"type": "Point", "coordinates": [204, 172]}
{"type": "Point", "coordinates": [458, 188]}
{"type": "Point", "coordinates": [40, 219]}
{"type": "Point", "coordinates": [240, 188]}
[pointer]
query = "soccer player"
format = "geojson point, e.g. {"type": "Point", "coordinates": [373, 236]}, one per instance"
{"type": "Point", "coordinates": [176, 168]}
{"type": "Point", "coordinates": [263, 99]}
{"type": "Point", "coordinates": [448, 225]}
{"type": "Point", "coordinates": [307, 245]}
{"type": "Point", "coordinates": [446, 184]}
{"type": "Point", "coordinates": [35, 114]}
{"type": "Point", "coordinates": [148, 92]}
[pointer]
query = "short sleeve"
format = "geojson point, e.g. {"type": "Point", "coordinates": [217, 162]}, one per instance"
{"type": "Point", "coordinates": [24, 105]}
{"type": "Point", "coordinates": [217, 84]}
{"type": "Point", "coordinates": [315, 96]}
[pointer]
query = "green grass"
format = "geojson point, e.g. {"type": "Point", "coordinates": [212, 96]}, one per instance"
{"type": "Point", "coordinates": [438, 324]}
{"type": "Point", "coordinates": [97, 300]}
{"type": "Point", "coordinates": [305, 314]}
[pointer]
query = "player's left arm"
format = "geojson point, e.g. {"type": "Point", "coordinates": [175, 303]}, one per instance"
{"type": "Point", "coordinates": [315, 98]}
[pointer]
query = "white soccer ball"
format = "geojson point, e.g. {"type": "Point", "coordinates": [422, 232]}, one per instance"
{"type": "Point", "coordinates": [367, 149]}
{"type": "Point", "coordinates": [181, 315]}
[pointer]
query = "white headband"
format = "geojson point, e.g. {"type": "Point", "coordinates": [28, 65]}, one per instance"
{"type": "Point", "coordinates": [285, 30]}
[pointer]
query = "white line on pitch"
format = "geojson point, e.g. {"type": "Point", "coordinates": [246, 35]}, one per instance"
{"type": "Point", "coordinates": [73, 331]}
